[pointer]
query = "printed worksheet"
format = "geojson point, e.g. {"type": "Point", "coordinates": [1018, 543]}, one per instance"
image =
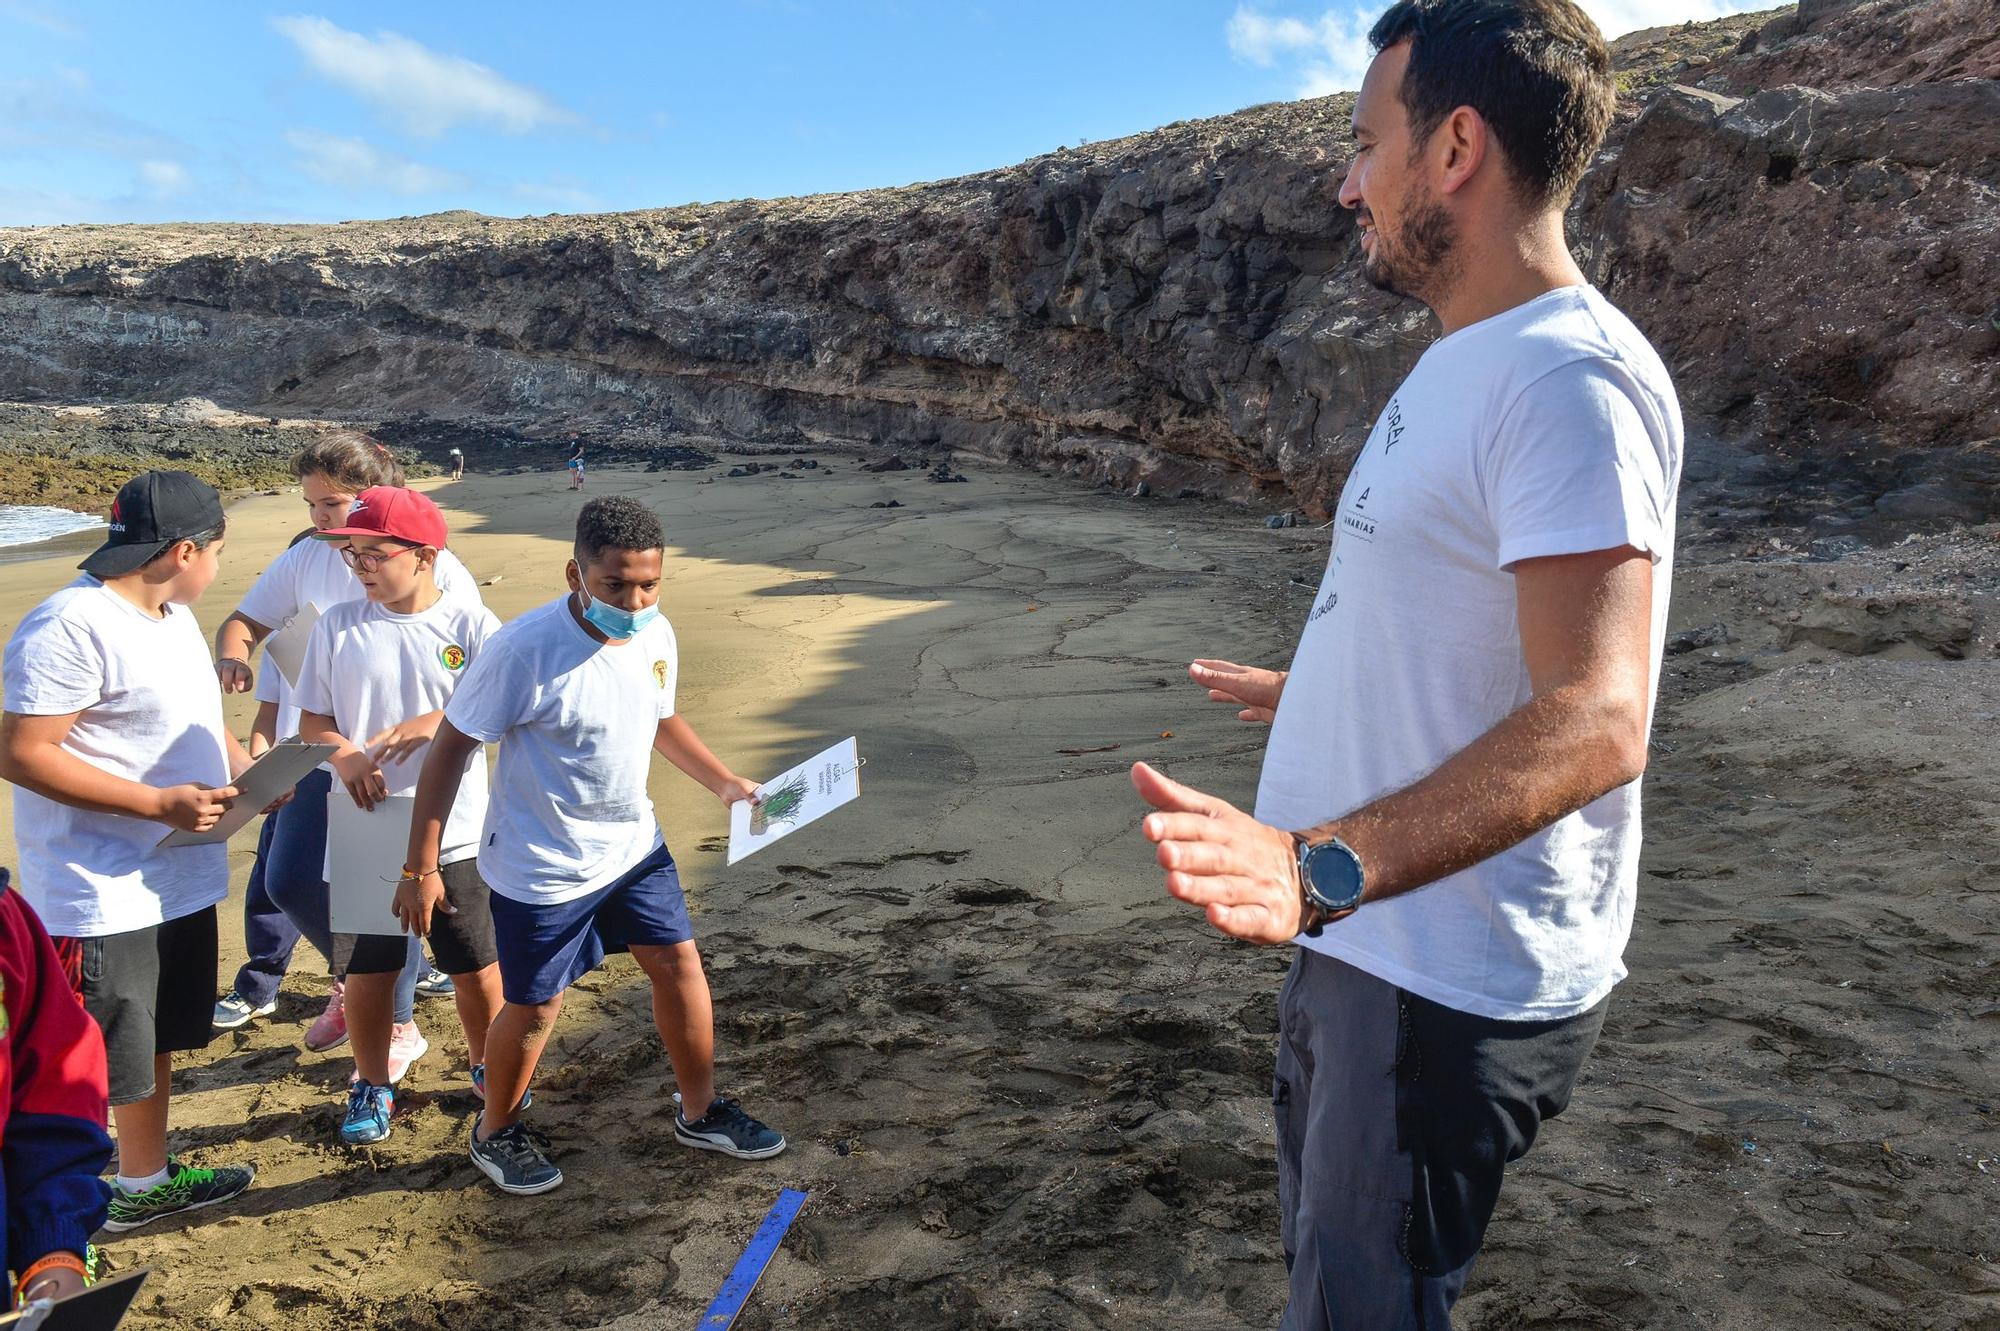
{"type": "Point", "coordinates": [282, 767]}
{"type": "Point", "coordinates": [364, 861]}
{"type": "Point", "coordinates": [788, 802]}
{"type": "Point", "coordinates": [287, 647]}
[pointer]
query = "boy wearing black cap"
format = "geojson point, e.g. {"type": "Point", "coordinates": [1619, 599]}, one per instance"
{"type": "Point", "coordinates": [113, 725]}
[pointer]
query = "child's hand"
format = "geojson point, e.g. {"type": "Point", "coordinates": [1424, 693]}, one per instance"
{"type": "Point", "coordinates": [58, 1282]}
{"type": "Point", "coordinates": [734, 789]}
{"type": "Point", "coordinates": [404, 738]}
{"type": "Point", "coordinates": [363, 779]}
{"type": "Point", "coordinates": [234, 675]}
{"type": "Point", "coordinates": [416, 898]}
{"type": "Point", "coordinates": [194, 808]}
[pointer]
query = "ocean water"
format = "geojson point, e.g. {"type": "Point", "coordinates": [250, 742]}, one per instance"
{"type": "Point", "coordinates": [21, 524]}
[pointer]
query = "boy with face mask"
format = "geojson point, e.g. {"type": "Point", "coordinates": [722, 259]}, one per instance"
{"type": "Point", "coordinates": [578, 695]}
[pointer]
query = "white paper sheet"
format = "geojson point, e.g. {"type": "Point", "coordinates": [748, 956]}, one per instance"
{"type": "Point", "coordinates": [286, 648]}
{"type": "Point", "coordinates": [364, 861]}
{"type": "Point", "coordinates": [282, 767]}
{"type": "Point", "coordinates": [806, 793]}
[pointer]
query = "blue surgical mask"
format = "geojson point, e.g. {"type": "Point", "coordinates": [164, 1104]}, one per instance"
{"type": "Point", "coordinates": [613, 622]}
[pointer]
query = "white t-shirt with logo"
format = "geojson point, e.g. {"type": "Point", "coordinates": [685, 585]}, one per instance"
{"type": "Point", "coordinates": [1550, 429]}
{"type": "Point", "coordinates": [370, 668]}
{"type": "Point", "coordinates": [312, 572]}
{"type": "Point", "coordinates": [150, 711]}
{"type": "Point", "coordinates": [575, 720]}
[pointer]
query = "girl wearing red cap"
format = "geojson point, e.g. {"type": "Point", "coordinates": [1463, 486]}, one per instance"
{"type": "Point", "coordinates": [331, 472]}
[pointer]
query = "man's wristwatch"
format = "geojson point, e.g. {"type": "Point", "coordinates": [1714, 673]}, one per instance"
{"type": "Point", "coordinates": [1331, 881]}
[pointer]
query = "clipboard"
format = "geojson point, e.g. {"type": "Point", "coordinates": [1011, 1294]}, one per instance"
{"type": "Point", "coordinates": [287, 647]}
{"type": "Point", "coordinates": [790, 800]}
{"type": "Point", "coordinates": [100, 1307]}
{"type": "Point", "coordinates": [364, 861]}
{"type": "Point", "coordinates": [283, 766]}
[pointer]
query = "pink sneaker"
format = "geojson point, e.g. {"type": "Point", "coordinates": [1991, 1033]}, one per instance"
{"type": "Point", "coordinates": [329, 1028]}
{"type": "Point", "coordinates": [406, 1045]}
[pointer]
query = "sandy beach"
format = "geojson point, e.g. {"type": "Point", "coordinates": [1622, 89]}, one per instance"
{"type": "Point", "coordinates": [1023, 1088]}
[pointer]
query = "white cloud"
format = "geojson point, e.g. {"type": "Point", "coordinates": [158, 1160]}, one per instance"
{"type": "Point", "coordinates": [1618, 17]}
{"type": "Point", "coordinates": [36, 16]}
{"type": "Point", "coordinates": [421, 90]}
{"type": "Point", "coordinates": [1330, 53]}
{"type": "Point", "coordinates": [164, 179]}
{"type": "Point", "coordinates": [357, 164]}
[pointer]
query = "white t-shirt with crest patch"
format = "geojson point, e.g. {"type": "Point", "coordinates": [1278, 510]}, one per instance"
{"type": "Point", "coordinates": [575, 720]}
{"type": "Point", "coordinates": [370, 668]}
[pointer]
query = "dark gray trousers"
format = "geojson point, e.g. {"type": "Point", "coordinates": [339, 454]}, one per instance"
{"type": "Point", "coordinates": [1396, 1119]}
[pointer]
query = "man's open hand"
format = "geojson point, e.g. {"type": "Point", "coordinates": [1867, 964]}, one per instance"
{"type": "Point", "coordinates": [1243, 873]}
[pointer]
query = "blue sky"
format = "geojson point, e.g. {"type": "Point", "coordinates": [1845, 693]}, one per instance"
{"type": "Point", "coordinates": [240, 111]}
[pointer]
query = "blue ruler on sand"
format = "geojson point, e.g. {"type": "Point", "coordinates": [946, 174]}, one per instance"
{"type": "Point", "coordinates": [735, 1291]}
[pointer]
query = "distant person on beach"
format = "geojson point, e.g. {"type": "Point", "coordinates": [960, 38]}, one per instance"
{"type": "Point", "coordinates": [377, 674]}
{"type": "Point", "coordinates": [113, 736]}
{"type": "Point", "coordinates": [457, 465]}
{"type": "Point", "coordinates": [576, 465]}
{"type": "Point", "coordinates": [578, 695]}
{"type": "Point", "coordinates": [332, 471]}
{"type": "Point", "coordinates": [1448, 819]}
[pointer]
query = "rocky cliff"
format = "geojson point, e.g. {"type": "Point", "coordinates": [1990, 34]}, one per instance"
{"type": "Point", "coordinates": [1802, 208]}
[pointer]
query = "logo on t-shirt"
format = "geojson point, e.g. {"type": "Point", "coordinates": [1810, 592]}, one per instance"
{"type": "Point", "coordinates": [1395, 433]}
{"type": "Point", "coordinates": [660, 673]}
{"type": "Point", "coordinates": [453, 657]}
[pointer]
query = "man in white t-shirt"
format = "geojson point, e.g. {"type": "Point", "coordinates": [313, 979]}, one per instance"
{"type": "Point", "coordinates": [112, 738]}
{"type": "Point", "coordinates": [579, 695]}
{"type": "Point", "coordinates": [1448, 818]}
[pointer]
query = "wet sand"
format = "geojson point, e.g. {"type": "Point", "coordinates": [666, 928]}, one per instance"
{"type": "Point", "coordinates": [1026, 1090]}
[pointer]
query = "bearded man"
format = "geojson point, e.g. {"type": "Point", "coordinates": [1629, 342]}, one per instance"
{"type": "Point", "coordinates": [1447, 823]}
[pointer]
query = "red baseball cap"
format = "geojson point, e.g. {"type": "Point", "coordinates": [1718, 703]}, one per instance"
{"type": "Point", "coordinates": [390, 510]}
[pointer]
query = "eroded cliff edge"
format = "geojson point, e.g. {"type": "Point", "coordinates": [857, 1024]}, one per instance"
{"type": "Point", "coordinates": [1801, 208]}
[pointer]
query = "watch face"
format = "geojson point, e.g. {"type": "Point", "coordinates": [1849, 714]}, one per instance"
{"type": "Point", "coordinates": [1333, 876]}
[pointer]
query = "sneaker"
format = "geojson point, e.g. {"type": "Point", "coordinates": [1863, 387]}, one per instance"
{"type": "Point", "coordinates": [436, 984]}
{"type": "Point", "coordinates": [329, 1028]}
{"type": "Point", "coordinates": [186, 1189]}
{"type": "Point", "coordinates": [234, 1010]}
{"type": "Point", "coordinates": [479, 1089]}
{"type": "Point", "coordinates": [726, 1128]}
{"type": "Point", "coordinates": [406, 1045]}
{"type": "Point", "coordinates": [515, 1158]}
{"type": "Point", "coordinates": [368, 1111]}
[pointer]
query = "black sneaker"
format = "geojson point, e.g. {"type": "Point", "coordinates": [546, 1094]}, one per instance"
{"type": "Point", "coordinates": [186, 1189]}
{"type": "Point", "coordinates": [515, 1158]}
{"type": "Point", "coordinates": [726, 1128]}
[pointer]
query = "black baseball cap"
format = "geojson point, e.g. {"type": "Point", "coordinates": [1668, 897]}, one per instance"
{"type": "Point", "coordinates": [152, 511]}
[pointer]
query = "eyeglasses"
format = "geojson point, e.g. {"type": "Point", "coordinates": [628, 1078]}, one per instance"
{"type": "Point", "coordinates": [369, 563]}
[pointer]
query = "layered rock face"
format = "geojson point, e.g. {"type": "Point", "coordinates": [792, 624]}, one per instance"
{"type": "Point", "coordinates": [1801, 209]}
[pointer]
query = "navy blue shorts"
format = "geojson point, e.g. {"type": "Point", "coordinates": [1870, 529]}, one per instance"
{"type": "Point", "coordinates": [544, 949]}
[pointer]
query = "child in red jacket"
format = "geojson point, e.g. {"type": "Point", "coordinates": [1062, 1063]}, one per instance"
{"type": "Point", "coordinates": [53, 1105]}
